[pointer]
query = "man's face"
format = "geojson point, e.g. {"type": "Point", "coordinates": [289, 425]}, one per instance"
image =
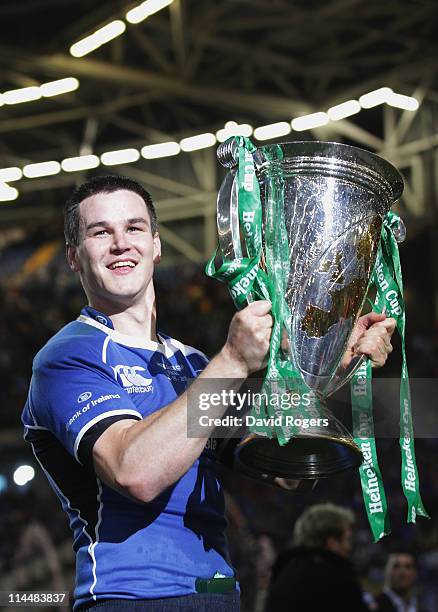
{"type": "Point", "coordinates": [401, 572]}
{"type": "Point", "coordinates": [117, 251]}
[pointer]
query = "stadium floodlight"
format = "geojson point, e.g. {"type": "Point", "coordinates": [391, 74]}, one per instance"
{"type": "Point", "coordinates": [308, 122]}
{"type": "Point", "coordinates": [98, 38]}
{"type": "Point", "coordinates": [146, 9]}
{"type": "Point", "coordinates": [42, 169]}
{"type": "Point", "coordinates": [7, 193]}
{"type": "Point", "coordinates": [61, 86]}
{"type": "Point", "coordinates": [375, 97]}
{"type": "Point", "coordinates": [272, 130]}
{"type": "Point", "coordinates": [341, 111]}
{"type": "Point", "coordinates": [23, 474]}
{"type": "Point", "coordinates": [161, 149]}
{"type": "Point", "coordinates": [24, 94]}
{"type": "Point", "coordinates": [403, 102]}
{"type": "Point", "coordinates": [232, 128]}
{"type": "Point", "coordinates": [10, 174]}
{"type": "Point", "coordinates": [47, 90]}
{"type": "Point", "coordinates": [82, 162]}
{"type": "Point", "coordinates": [201, 141]}
{"type": "Point", "coordinates": [122, 156]}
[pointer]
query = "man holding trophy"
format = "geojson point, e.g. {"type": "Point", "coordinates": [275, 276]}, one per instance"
{"type": "Point", "coordinates": [107, 413]}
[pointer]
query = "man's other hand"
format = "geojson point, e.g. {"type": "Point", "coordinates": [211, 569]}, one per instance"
{"type": "Point", "coordinates": [371, 337]}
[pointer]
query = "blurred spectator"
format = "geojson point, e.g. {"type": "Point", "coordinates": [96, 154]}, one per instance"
{"type": "Point", "coordinates": [400, 577]}
{"type": "Point", "coordinates": [316, 573]}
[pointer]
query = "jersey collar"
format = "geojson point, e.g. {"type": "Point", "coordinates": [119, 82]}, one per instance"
{"type": "Point", "coordinates": [89, 311]}
{"type": "Point", "coordinates": [93, 317]}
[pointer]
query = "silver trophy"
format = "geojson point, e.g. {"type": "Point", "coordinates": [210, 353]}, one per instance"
{"type": "Point", "coordinates": [334, 198]}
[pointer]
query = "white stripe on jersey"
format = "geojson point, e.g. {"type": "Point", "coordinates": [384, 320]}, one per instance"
{"type": "Point", "coordinates": [105, 344]}
{"type": "Point", "coordinates": [96, 532]}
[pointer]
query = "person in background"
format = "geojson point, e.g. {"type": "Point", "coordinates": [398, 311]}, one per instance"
{"type": "Point", "coordinates": [398, 594]}
{"type": "Point", "coordinates": [316, 574]}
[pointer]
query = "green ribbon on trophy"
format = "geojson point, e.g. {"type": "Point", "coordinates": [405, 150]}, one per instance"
{"type": "Point", "coordinates": [249, 278]}
{"type": "Point", "coordinates": [388, 280]}
{"type": "Point", "coordinates": [373, 491]}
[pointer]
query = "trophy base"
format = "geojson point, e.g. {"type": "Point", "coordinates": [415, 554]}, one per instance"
{"type": "Point", "coordinates": [302, 458]}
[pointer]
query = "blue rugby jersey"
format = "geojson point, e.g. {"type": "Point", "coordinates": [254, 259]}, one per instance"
{"type": "Point", "coordinates": [84, 379]}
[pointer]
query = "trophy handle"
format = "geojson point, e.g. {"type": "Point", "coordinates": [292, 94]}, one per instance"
{"type": "Point", "coordinates": [228, 226]}
{"type": "Point", "coordinates": [228, 218]}
{"type": "Point", "coordinates": [227, 203]}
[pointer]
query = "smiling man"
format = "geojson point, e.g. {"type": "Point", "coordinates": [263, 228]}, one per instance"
{"type": "Point", "coordinates": [115, 254]}
{"type": "Point", "coordinates": [106, 417]}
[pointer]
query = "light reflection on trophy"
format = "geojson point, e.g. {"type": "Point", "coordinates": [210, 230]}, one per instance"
{"type": "Point", "coordinates": [334, 200]}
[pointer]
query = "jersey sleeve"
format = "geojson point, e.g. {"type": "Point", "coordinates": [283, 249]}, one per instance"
{"type": "Point", "coordinates": [76, 400]}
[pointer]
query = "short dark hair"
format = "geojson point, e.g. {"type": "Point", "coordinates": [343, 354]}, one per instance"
{"type": "Point", "coordinates": [101, 184]}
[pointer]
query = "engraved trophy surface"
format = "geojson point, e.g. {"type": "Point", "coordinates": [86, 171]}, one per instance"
{"type": "Point", "coordinates": [334, 200]}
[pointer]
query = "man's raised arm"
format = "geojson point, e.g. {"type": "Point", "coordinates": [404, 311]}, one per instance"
{"type": "Point", "coordinates": [142, 458]}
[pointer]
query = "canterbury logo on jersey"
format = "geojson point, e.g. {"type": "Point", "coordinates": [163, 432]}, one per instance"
{"type": "Point", "coordinates": [131, 379]}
